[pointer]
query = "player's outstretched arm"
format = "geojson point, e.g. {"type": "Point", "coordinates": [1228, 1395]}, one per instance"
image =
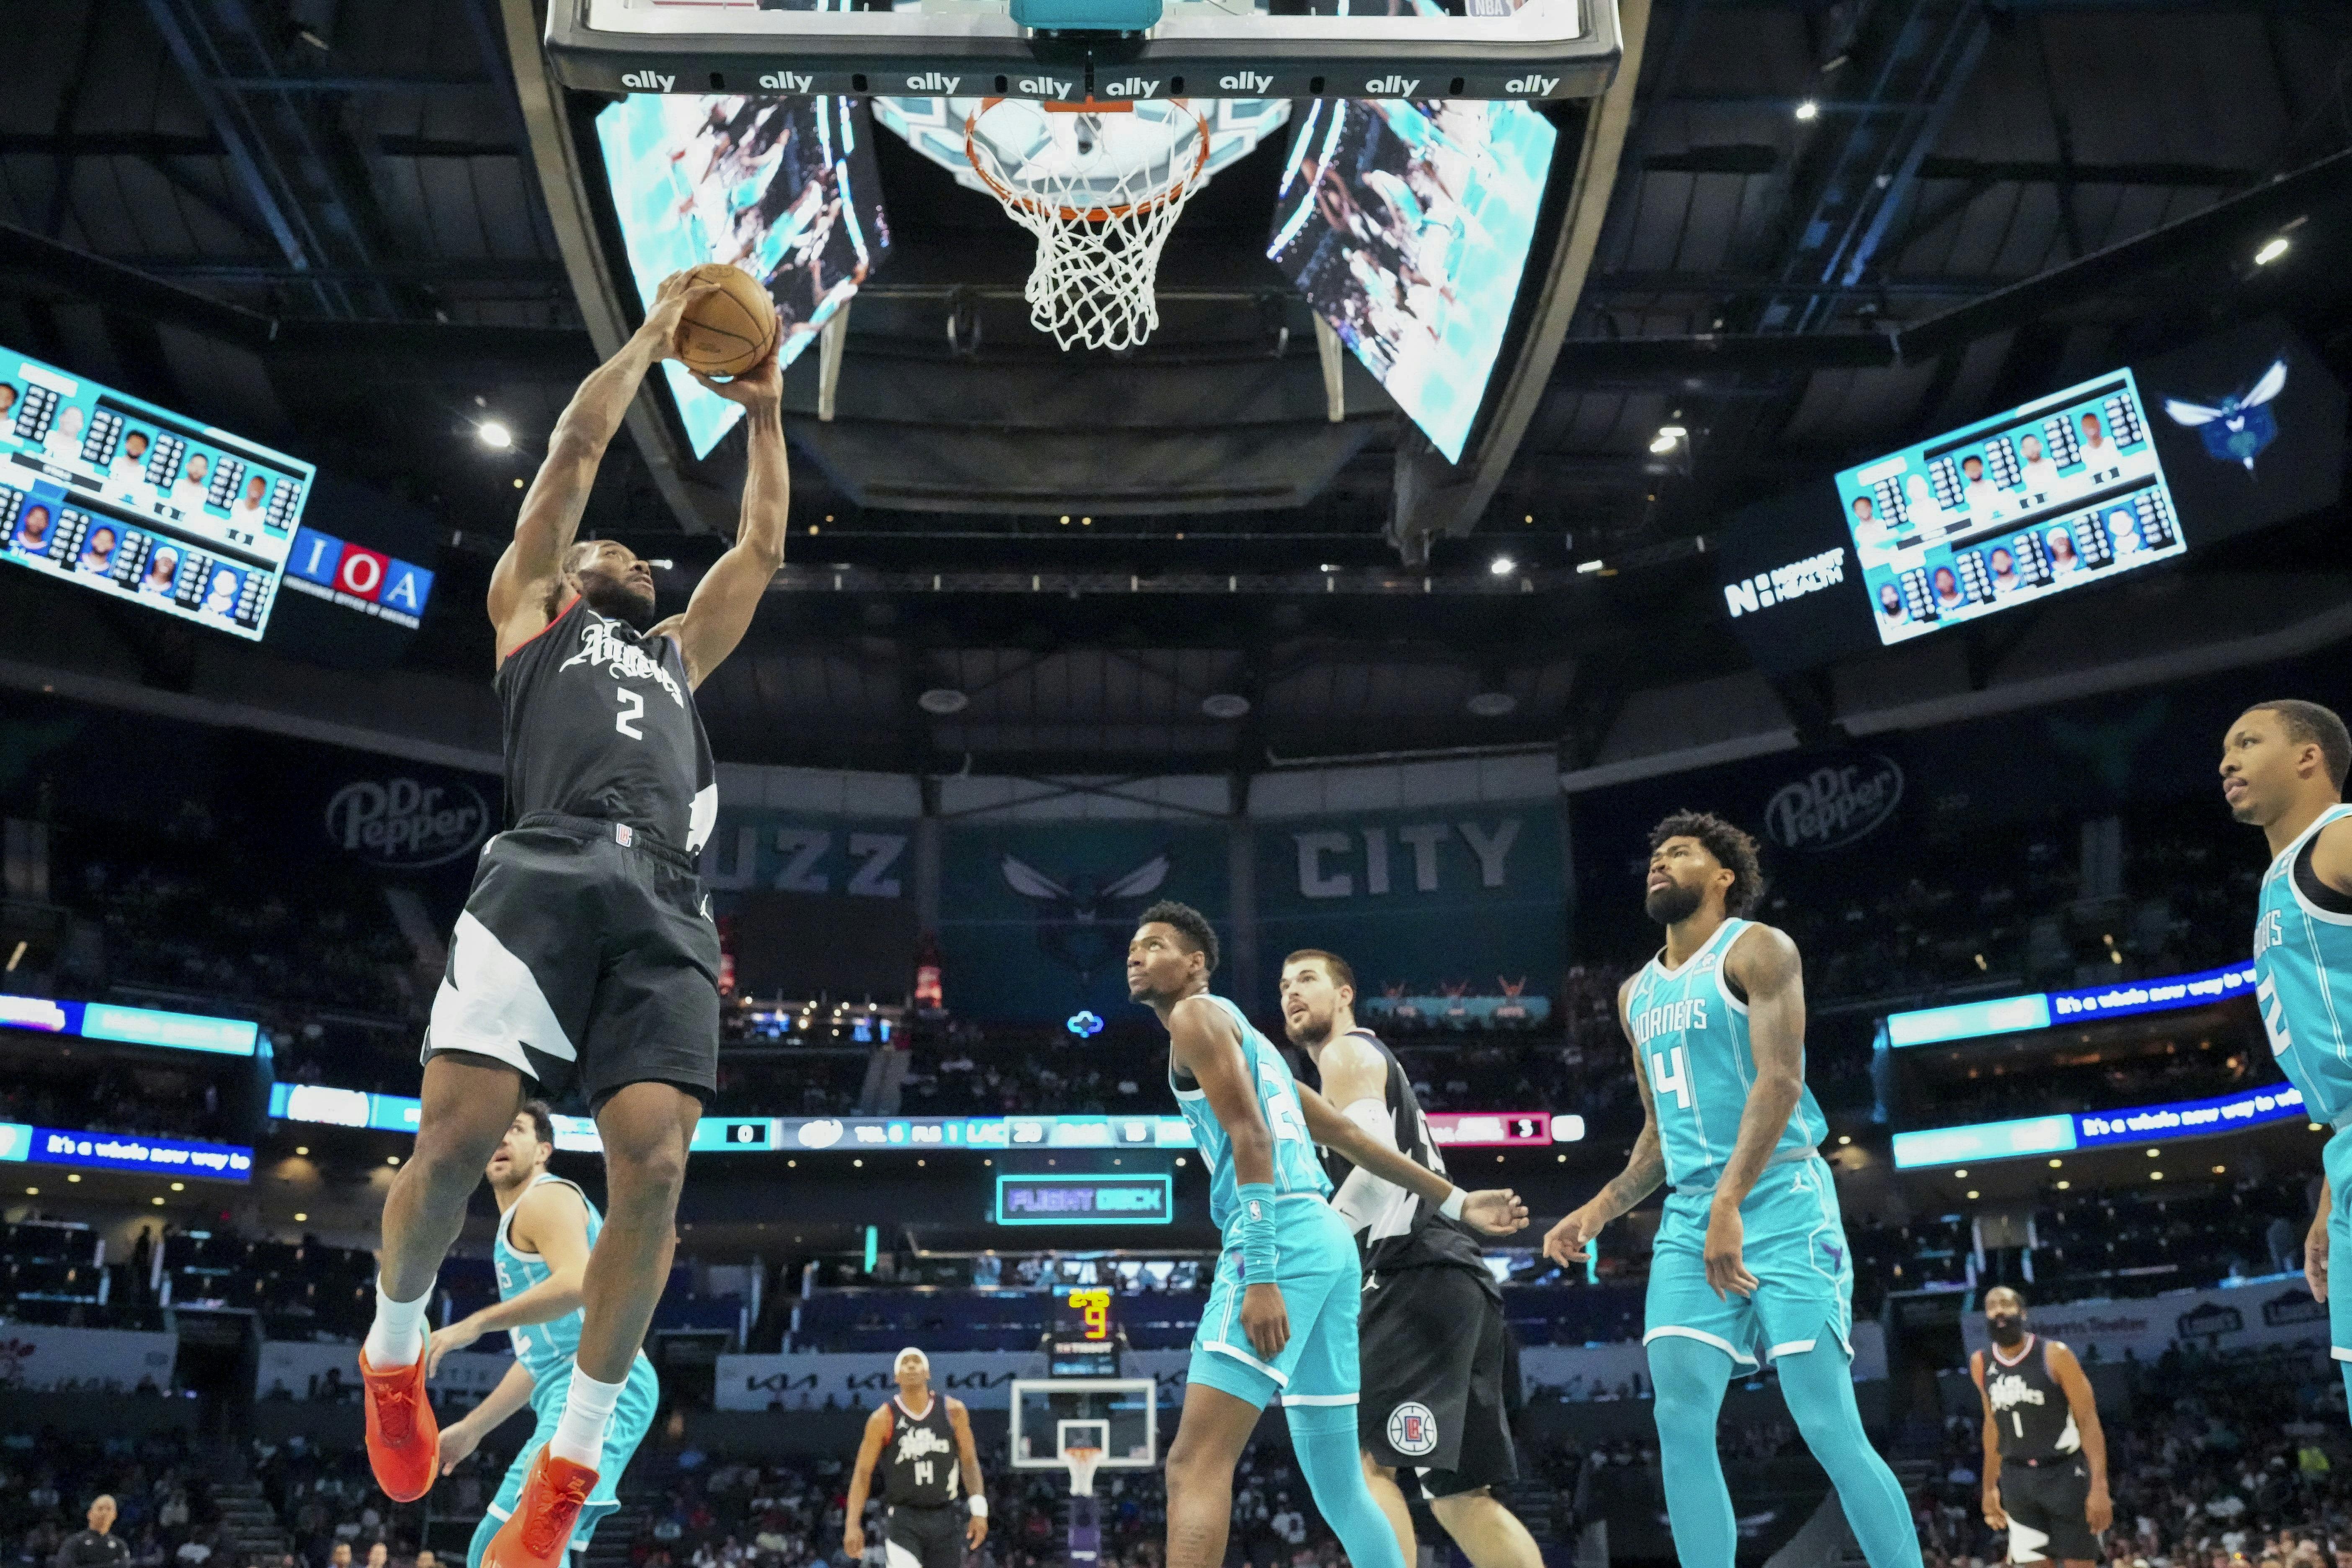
{"type": "Point", "coordinates": [463, 1436]}
{"type": "Point", "coordinates": [550, 518]}
{"type": "Point", "coordinates": [729, 592]}
{"type": "Point", "coordinates": [2085, 1408]}
{"type": "Point", "coordinates": [861, 1479]}
{"type": "Point", "coordinates": [975, 1486]}
{"type": "Point", "coordinates": [551, 1220]}
{"type": "Point", "coordinates": [1645, 1169]}
{"type": "Point", "coordinates": [1762, 962]}
{"type": "Point", "coordinates": [1496, 1211]}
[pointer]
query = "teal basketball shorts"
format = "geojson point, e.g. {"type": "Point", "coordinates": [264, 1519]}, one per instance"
{"type": "Point", "coordinates": [1315, 1267]}
{"type": "Point", "coordinates": [633, 1417]}
{"type": "Point", "coordinates": [1793, 1243]}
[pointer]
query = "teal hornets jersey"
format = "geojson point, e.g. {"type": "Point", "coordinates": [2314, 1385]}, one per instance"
{"type": "Point", "coordinates": [1296, 1168]}
{"type": "Point", "coordinates": [2302, 982]}
{"type": "Point", "coordinates": [1692, 1035]}
{"type": "Point", "coordinates": [546, 1349]}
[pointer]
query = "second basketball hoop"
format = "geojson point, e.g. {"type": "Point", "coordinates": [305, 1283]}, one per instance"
{"type": "Point", "coordinates": [1100, 185]}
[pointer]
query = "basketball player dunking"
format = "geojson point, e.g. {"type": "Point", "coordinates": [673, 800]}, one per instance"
{"type": "Point", "coordinates": [2283, 770]}
{"type": "Point", "coordinates": [585, 953]}
{"type": "Point", "coordinates": [932, 1453]}
{"type": "Point", "coordinates": [1749, 1263]}
{"type": "Point", "coordinates": [1281, 1314]}
{"type": "Point", "coordinates": [1440, 1373]}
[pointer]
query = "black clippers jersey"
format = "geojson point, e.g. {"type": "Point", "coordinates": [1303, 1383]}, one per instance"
{"type": "Point", "coordinates": [2029, 1409]}
{"type": "Point", "coordinates": [600, 723]}
{"type": "Point", "coordinates": [1396, 1229]}
{"type": "Point", "coordinates": [919, 1468]}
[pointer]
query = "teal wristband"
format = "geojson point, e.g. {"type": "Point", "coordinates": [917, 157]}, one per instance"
{"type": "Point", "coordinates": [1254, 1229]}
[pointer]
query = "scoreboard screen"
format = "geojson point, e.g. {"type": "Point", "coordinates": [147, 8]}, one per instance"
{"type": "Point", "coordinates": [2059, 493]}
{"type": "Point", "coordinates": [125, 499]}
{"type": "Point", "coordinates": [1084, 1341]}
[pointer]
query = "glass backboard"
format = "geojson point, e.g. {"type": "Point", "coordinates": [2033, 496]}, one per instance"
{"type": "Point", "coordinates": [1198, 49]}
{"type": "Point", "coordinates": [1118, 1414]}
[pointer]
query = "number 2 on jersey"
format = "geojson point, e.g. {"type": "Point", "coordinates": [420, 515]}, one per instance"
{"type": "Point", "coordinates": [633, 707]}
{"type": "Point", "coordinates": [1282, 1117]}
{"type": "Point", "coordinates": [2273, 1012]}
{"type": "Point", "coordinates": [1670, 1074]}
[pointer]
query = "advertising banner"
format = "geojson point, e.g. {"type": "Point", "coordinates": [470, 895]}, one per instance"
{"type": "Point", "coordinates": [2264, 1313]}
{"type": "Point", "coordinates": [116, 1360]}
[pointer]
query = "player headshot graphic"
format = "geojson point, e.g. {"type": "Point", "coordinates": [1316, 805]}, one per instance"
{"type": "Point", "coordinates": [131, 459]}
{"type": "Point", "coordinates": [2123, 529]}
{"type": "Point", "coordinates": [33, 530]}
{"type": "Point", "coordinates": [1890, 605]}
{"type": "Point", "coordinates": [1948, 589]}
{"type": "Point", "coordinates": [188, 491]}
{"type": "Point", "coordinates": [162, 571]}
{"type": "Point", "coordinates": [64, 439]}
{"type": "Point", "coordinates": [7, 400]}
{"type": "Point", "coordinates": [98, 549]}
{"type": "Point", "coordinates": [1980, 493]}
{"type": "Point", "coordinates": [220, 594]}
{"type": "Point", "coordinates": [248, 505]}
{"type": "Point", "coordinates": [2003, 565]}
{"type": "Point", "coordinates": [2098, 452]}
{"type": "Point", "coordinates": [1865, 510]}
{"type": "Point", "coordinates": [2063, 556]}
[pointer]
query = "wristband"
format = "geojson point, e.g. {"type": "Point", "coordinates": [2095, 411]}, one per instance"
{"type": "Point", "coordinates": [1451, 1207]}
{"type": "Point", "coordinates": [1254, 1229]}
{"type": "Point", "coordinates": [980, 1507]}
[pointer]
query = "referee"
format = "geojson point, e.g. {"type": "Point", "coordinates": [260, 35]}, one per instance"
{"type": "Point", "coordinates": [1441, 1377]}
{"type": "Point", "coordinates": [2045, 1459]}
{"type": "Point", "coordinates": [96, 1547]}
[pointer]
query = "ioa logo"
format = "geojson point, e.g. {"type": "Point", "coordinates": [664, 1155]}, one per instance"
{"type": "Point", "coordinates": [1835, 804]}
{"type": "Point", "coordinates": [1412, 1430]}
{"type": "Point", "coordinates": [648, 81]}
{"type": "Point", "coordinates": [1781, 584]}
{"type": "Point", "coordinates": [1391, 86]}
{"type": "Point", "coordinates": [1533, 85]}
{"type": "Point", "coordinates": [403, 824]}
{"type": "Point", "coordinates": [786, 82]}
{"type": "Point", "coordinates": [1246, 82]}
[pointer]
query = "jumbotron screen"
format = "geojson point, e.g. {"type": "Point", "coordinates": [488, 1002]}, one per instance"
{"type": "Point", "coordinates": [125, 499]}
{"type": "Point", "coordinates": [2064, 492]}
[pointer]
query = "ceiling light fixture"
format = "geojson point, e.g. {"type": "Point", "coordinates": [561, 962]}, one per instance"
{"type": "Point", "coordinates": [1809, 109]}
{"type": "Point", "coordinates": [942, 701]}
{"type": "Point", "coordinates": [494, 434]}
{"type": "Point", "coordinates": [1225, 705]}
{"type": "Point", "coordinates": [2273, 249]}
{"type": "Point", "coordinates": [1492, 704]}
{"type": "Point", "coordinates": [1502, 566]}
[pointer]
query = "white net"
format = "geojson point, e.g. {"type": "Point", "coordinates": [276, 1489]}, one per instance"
{"type": "Point", "coordinates": [1100, 185]}
{"type": "Point", "coordinates": [1082, 1463]}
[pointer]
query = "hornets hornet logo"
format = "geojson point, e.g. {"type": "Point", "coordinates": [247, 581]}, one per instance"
{"type": "Point", "coordinates": [1412, 1430]}
{"type": "Point", "coordinates": [1083, 920]}
{"type": "Point", "coordinates": [2242, 426]}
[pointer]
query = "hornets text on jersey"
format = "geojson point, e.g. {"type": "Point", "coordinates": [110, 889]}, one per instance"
{"type": "Point", "coordinates": [1296, 1168]}
{"type": "Point", "coordinates": [2303, 975]}
{"type": "Point", "coordinates": [1690, 1033]}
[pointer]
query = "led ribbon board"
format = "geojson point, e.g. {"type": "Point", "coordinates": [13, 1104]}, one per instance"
{"type": "Point", "coordinates": [124, 1152]}
{"type": "Point", "coordinates": [1985, 1141]}
{"type": "Point", "coordinates": [132, 1025]}
{"type": "Point", "coordinates": [2047, 1009]}
{"type": "Point", "coordinates": [1085, 1200]}
{"type": "Point", "coordinates": [119, 496]}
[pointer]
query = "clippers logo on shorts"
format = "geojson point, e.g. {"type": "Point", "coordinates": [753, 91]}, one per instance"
{"type": "Point", "coordinates": [1412, 1430]}
{"type": "Point", "coordinates": [599, 649]}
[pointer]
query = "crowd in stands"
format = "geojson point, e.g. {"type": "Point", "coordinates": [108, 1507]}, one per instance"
{"type": "Point", "coordinates": [86, 1091]}
{"type": "Point", "coordinates": [164, 1512]}
{"type": "Point", "coordinates": [2230, 1462]}
{"type": "Point", "coordinates": [2195, 1232]}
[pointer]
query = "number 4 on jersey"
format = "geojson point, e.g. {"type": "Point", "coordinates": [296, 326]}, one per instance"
{"type": "Point", "coordinates": [1670, 1074]}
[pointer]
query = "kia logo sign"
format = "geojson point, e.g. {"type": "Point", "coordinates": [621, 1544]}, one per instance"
{"type": "Point", "coordinates": [1835, 804]}
{"type": "Point", "coordinates": [403, 824]}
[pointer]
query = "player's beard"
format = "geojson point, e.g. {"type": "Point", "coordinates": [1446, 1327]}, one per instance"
{"type": "Point", "coordinates": [1672, 903]}
{"type": "Point", "coordinates": [2006, 1330]}
{"type": "Point", "coordinates": [1310, 1030]}
{"type": "Point", "coordinates": [620, 599]}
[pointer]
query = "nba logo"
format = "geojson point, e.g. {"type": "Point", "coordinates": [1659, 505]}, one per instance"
{"type": "Point", "coordinates": [1413, 1429]}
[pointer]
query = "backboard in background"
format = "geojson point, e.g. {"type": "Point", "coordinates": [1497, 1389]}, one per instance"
{"type": "Point", "coordinates": [1200, 48]}
{"type": "Point", "coordinates": [1120, 1415]}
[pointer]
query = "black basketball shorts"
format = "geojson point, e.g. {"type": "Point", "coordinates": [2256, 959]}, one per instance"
{"type": "Point", "coordinates": [582, 960]}
{"type": "Point", "coordinates": [2048, 1511]}
{"type": "Point", "coordinates": [1440, 1379]}
{"type": "Point", "coordinates": [924, 1537]}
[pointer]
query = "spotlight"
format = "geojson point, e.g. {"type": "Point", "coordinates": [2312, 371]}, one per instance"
{"type": "Point", "coordinates": [2273, 249]}
{"type": "Point", "coordinates": [1225, 705]}
{"type": "Point", "coordinates": [494, 434]}
{"type": "Point", "coordinates": [1662, 444]}
{"type": "Point", "coordinates": [1809, 109]}
{"type": "Point", "coordinates": [1491, 704]}
{"type": "Point", "coordinates": [1502, 566]}
{"type": "Point", "coordinates": [942, 701]}
{"type": "Point", "coordinates": [300, 1218]}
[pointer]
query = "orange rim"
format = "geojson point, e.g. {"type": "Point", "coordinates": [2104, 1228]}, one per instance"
{"type": "Point", "coordinates": [1009, 197]}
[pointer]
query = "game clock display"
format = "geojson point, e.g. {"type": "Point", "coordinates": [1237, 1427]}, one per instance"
{"type": "Point", "coordinates": [2062, 492]}
{"type": "Point", "coordinates": [132, 501]}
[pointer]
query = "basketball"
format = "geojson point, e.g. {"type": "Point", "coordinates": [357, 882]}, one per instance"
{"type": "Point", "coordinates": [728, 333]}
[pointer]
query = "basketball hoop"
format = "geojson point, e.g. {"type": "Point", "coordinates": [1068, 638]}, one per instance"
{"type": "Point", "coordinates": [1082, 1463]}
{"type": "Point", "coordinates": [1100, 185]}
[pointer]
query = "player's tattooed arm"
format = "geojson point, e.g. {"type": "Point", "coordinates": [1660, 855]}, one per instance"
{"type": "Point", "coordinates": [861, 1479]}
{"type": "Point", "coordinates": [1763, 963]}
{"type": "Point", "coordinates": [729, 594]}
{"type": "Point", "coordinates": [1496, 1211]}
{"type": "Point", "coordinates": [550, 520]}
{"type": "Point", "coordinates": [1645, 1172]}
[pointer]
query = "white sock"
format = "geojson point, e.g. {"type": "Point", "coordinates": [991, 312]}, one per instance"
{"type": "Point", "coordinates": [396, 1337]}
{"type": "Point", "coordinates": [587, 1411]}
